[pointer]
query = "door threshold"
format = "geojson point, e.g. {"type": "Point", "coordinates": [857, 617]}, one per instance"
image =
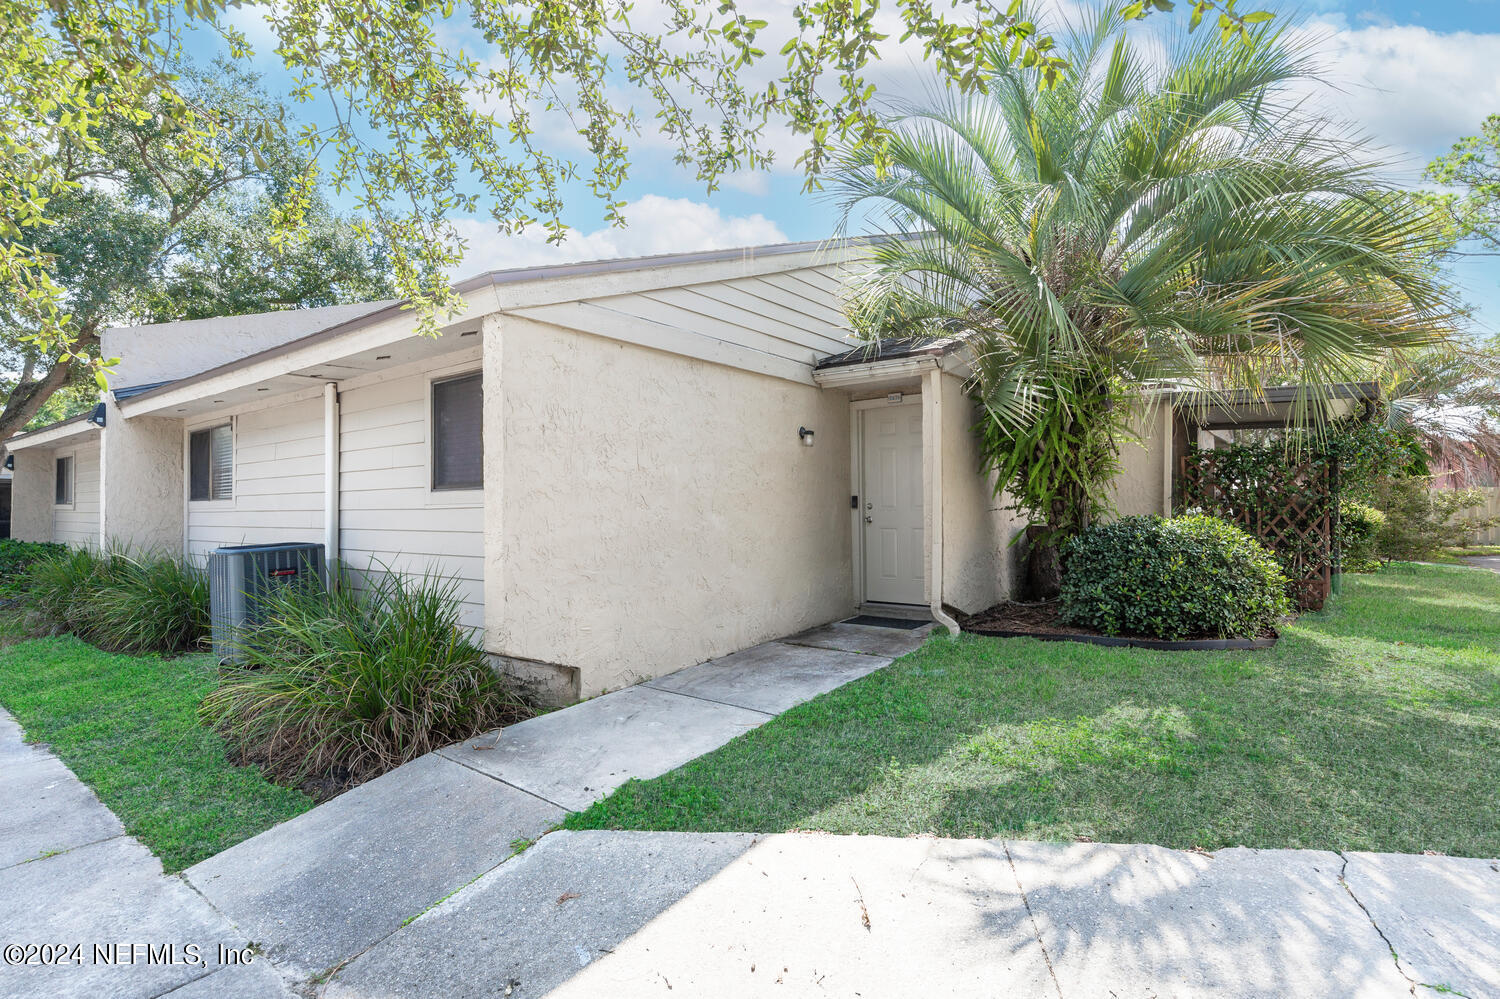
{"type": "Point", "coordinates": [906, 612]}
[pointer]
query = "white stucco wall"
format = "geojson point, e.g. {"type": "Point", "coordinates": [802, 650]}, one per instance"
{"type": "Point", "coordinates": [141, 482]}
{"type": "Point", "coordinates": [390, 516]}
{"type": "Point", "coordinates": [1142, 487]}
{"type": "Point", "coordinates": [278, 479]}
{"type": "Point", "coordinates": [78, 522]}
{"type": "Point", "coordinates": [167, 351]}
{"type": "Point", "coordinates": [31, 495]}
{"type": "Point", "coordinates": [978, 558]}
{"type": "Point", "coordinates": [653, 511]}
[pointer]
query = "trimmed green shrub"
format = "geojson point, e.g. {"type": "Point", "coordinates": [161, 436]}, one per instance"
{"type": "Point", "coordinates": [17, 557]}
{"type": "Point", "coordinates": [1359, 531]}
{"type": "Point", "coordinates": [358, 680]}
{"type": "Point", "coordinates": [1188, 577]}
{"type": "Point", "coordinates": [122, 602]}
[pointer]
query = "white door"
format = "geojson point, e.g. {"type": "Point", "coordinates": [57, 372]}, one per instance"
{"type": "Point", "coordinates": [891, 504]}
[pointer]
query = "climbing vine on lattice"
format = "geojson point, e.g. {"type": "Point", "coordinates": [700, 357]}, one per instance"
{"type": "Point", "coordinates": [1286, 499]}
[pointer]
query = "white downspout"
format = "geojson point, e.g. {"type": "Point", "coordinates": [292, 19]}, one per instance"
{"type": "Point", "coordinates": [331, 447]}
{"type": "Point", "coordinates": [934, 396]}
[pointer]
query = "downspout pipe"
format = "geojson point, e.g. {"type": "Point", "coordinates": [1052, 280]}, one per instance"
{"type": "Point", "coordinates": [934, 395]}
{"type": "Point", "coordinates": [331, 447]}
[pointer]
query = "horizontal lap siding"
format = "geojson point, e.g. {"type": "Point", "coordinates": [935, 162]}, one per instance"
{"type": "Point", "coordinates": [389, 515]}
{"type": "Point", "coordinates": [278, 483]}
{"type": "Point", "coordinates": [79, 524]}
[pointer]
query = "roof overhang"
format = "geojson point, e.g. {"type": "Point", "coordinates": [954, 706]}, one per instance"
{"type": "Point", "coordinates": [70, 431]}
{"type": "Point", "coordinates": [387, 338]}
{"type": "Point", "coordinates": [1272, 408]}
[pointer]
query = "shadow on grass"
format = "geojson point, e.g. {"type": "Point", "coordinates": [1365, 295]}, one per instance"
{"type": "Point", "coordinates": [1372, 725]}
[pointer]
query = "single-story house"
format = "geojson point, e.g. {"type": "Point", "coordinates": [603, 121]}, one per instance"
{"type": "Point", "coordinates": [630, 466]}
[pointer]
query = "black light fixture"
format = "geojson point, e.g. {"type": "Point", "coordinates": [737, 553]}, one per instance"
{"type": "Point", "coordinates": [97, 416]}
{"type": "Point", "coordinates": [806, 435]}
{"type": "Point", "coordinates": [10, 462]}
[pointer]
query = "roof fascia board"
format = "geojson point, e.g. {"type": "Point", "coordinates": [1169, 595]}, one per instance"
{"type": "Point", "coordinates": [542, 290]}
{"type": "Point", "coordinates": [320, 348]}
{"type": "Point", "coordinates": [852, 375]}
{"type": "Point", "coordinates": [56, 434]}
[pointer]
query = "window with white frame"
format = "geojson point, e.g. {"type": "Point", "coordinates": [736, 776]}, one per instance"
{"type": "Point", "coordinates": [458, 433]}
{"type": "Point", "coordinates": [63, 491]}
{"type": "Point", "coordinates": [211, 463]}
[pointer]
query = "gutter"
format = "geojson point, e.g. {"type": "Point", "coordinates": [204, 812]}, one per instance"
{"type": "Point", "coordinates": [933, 396]}
{"type": "Point", "coordinates": [331, 448]}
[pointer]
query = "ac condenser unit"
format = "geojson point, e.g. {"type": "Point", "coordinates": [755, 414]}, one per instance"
{"type": "Point", "coordinates": [239, 578]}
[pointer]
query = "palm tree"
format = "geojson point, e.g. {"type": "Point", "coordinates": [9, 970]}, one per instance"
{"type": "Point", "coordinates": [1149, 219]}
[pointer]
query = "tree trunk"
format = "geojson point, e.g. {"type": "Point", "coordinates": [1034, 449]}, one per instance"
{"type": "Point", "coordinates": [1043, 565]}
{"type": "Point", "coordinates": [30, 394]}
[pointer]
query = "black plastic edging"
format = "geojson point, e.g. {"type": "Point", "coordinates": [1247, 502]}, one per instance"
{"type": "Point", "coordinates": [1161, 644]}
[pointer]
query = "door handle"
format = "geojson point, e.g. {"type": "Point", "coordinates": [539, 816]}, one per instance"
{"type": "Point", "coordinates": [869, 519]}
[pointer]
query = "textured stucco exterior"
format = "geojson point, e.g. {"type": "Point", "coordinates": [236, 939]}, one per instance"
{"type": "Point", "coordinates": [1143, 486]}
{"type": "Point", "coordinates": [31, 496]}
{"type": "Point", "coordinates": [141, 488]}
{"type": "Point", "coordinates": [647, 511]}
{"type": "Point", "coordinates": [166, 351]}
{"type": "Point", "coordinates": [978, 559]}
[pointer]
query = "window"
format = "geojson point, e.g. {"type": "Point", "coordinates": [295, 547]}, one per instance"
{"type": "Point", "coordinates": [211, 463]}
{"type": "Point", "coordinates": [64, 492]}
{"type": "Point", "coordinates": [458, 433]}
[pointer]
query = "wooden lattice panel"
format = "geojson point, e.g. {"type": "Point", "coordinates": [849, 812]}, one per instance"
{"type": "Point", "coordinates": [1288, 507]}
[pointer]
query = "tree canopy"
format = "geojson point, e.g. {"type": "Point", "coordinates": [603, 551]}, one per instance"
{"type": "Point", "coordinates": [141, 235]}
{"type": "Point", "coordinates": [423, 127]}
{"type": "Point", "coordinates": [1185, 224]}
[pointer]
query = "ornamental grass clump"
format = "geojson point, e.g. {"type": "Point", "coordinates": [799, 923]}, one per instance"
{"type": "Point", "coordinates": [345, 683]}
{"type": "Point", "coordinates": [1188, 577]}
{"type": "Point", "coordinates": [121, 601]}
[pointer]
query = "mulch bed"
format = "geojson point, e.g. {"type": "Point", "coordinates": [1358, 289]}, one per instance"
{"type": "Point", "coordinates": [1013, 619]}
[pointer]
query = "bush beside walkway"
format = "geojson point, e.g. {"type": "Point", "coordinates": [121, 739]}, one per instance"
{"type": "Point", "coordinates": [1373, 725]}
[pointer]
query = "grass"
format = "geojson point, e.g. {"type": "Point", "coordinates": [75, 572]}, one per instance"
{"type": "Point", "coordinates": [1456, 556]}
{"type": "Point", "coordinates": [1372, 725]}
{"type": "Point", "coordinates": [128, 727]}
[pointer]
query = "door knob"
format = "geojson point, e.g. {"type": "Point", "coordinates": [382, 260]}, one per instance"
{"type": "Point", "coordinates": [869, 519]}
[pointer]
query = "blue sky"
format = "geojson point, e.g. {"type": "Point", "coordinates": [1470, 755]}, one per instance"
{"type": "Point", "coordinates": [1413, 74]}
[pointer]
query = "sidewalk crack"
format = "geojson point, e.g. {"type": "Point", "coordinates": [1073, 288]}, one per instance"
{"type": "Point", "coordinates": [1395, 958]}
{"type": "Point", "coordinates": [1036, 931]}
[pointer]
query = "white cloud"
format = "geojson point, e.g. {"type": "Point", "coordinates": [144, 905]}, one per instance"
{"type": "Point", "coordinates": [655, 224]}
{"type": "Point", "coordinates": [1413, 90]}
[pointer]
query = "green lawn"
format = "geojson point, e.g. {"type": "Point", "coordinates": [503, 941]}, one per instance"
{"type": "Point", "coordinates": [1373, 725]}
{"type": "Point", "coordinates": [1456, 556]}
{"type": "Point", "coordinates": [128, 727]}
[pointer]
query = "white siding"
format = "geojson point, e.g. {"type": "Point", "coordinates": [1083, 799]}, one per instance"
{"type": "Point", "coordinates": [78, 524]}
{"type": "Point", "coordinates": [390, 516]}
{"type": "Point", "coordinates": [278, 481]}
{"type": "Point", "coordinates": [774, 324]}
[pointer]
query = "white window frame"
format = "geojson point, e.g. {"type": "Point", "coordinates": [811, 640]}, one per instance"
{"type": "Point", "coordinates": [435, 496]}
{"type": "Point", "coordinates": [72, 456]}
{"type": "Point", "coordinates": [234, 459]}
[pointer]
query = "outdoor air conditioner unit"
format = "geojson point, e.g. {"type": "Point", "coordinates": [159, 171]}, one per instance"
{"type": "Point", "coordinates": [240, 576]}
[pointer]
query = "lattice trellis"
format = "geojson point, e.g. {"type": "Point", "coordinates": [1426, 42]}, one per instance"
{"type": "Point", "coordinates": [1289, 506]}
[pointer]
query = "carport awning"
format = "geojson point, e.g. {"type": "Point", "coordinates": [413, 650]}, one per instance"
{"type": "Point", "coordinates": [1243, 409]}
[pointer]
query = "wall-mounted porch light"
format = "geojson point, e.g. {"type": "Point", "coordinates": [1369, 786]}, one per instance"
{"type": "Point", "coordinates": [10, 462]}
{"type": "Point", "coordinates": [97, 416]}
{"type": "Point", "coordinates": [806, 435]}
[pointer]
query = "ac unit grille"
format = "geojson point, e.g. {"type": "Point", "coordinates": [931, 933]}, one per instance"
{"type": "Point", "coordinates": [240, 576]}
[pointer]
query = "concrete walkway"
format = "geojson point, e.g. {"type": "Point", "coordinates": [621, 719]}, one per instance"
{"type": "Point", "coordinates": [590, 914]}
{"type": "Point", "coordinates": [69, 875]}
{"type": "Point", "coordinates": [322, 888]}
